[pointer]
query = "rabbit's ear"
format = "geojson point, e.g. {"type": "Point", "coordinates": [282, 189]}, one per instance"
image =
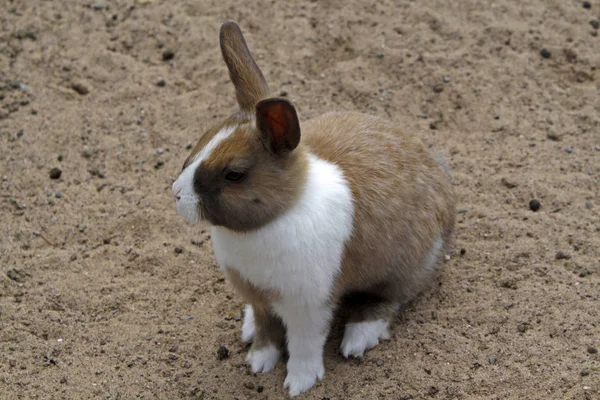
{"type": "Point", "coordinates": [278, 123]}
{"type": "Point", "coordinates": [249, 82]}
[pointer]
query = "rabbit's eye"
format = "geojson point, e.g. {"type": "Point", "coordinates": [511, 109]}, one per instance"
{"type": "Point", "coordinates": [234, 176]}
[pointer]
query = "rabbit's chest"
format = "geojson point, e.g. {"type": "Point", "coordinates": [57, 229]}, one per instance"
{"type": "Point", "coordinates": [299, 254]}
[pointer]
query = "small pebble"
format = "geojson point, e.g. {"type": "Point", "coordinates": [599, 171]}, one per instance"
{"type": "Point", "coordinates": [87, 152]}
{"type": "Point", "coordinates": [98, 173]}
{"type": "Point", "coordinates": [160, 150]}
{"type": "Point", "coordinates": [222, 353]}
{"type": "Point", "coordinates": [260, 388]}
{"type": "Point", "coordinates": [545, 53]}
{"type": "Point", "coordinates": [588, 205]}
{"type": "Point", "coordinates": [437, 88]}
{"type": "Point", "coordinates": [463, 251]}
{"type": "Point", "coordinates": [569, 149]}
{"type": "Point", "coordinates": [509, 184]}
{"type": "Point", "coordinates": [178, 250]}
{"type": "Point", "coordinates": [592, 350]}
{"type": "Point", "coordinates": [159, 164]}
{"type": "Point", "coordinates": [553, 136]}
{"type": "Point", "coordinates": [379, 363]}
{"type": "Point", "coordinates": [249, 385]}
{"type": "Point", "coordinates": [189, 146]}
{"type": "Point", "coordinates": [20, 133]}
{"type": "Point", "coordinates": [58, 195]}
{"type": "Point", "coordinates": [161, 82]}
{"type": "Point", "coordinates": [534, 205]}
{"type": "Point", "coordinates": [562, 255]}
{"type": "Point", "coordinates": [447, 79]}
{"type": "Point", "coordinates": [98, 6]}
{"type": "Point", "coordinates": [585, 372]}
{"type": "Point", "coordinates": [283, 93]}
{"type": "Point", "coordinates": [595, 24]}
{"type": "Point", "coordinates": [55, 173]}
{"type": "Point", "coordinates": [16, 275]}
{"type": "Point", "coordinates": [587, 5]}
{"type": "Point", "coordinates": [493, 360]}
{"type": "Point", "coordinates": [80, 88]}
{"type": "Point", "coordinates": [59, 158]}
{"type": "Point", "coordinates": [168, 54]}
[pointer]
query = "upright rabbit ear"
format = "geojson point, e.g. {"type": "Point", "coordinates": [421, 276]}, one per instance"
{"type": "Point", "coordinates": [249, 82]}
{"type": "Point", "coordinates": [279, 126]}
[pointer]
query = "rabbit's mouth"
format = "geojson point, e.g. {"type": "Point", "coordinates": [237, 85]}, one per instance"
{"type": "Point", "coordinates": [187, 204]}
{"type": "Point", "coordinates": [189, 208]}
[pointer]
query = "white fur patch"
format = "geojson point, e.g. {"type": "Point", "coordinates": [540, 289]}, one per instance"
{"type": "Point", "coordinates": [183, 187]}
{"type": "Point", "coordinates": [264, 359]}
{"type": "Point", "coordinates": [298, 255]}
{"type": "Point", "coordinates": [248, 327]}
{"type": "Point", "coordinates": [362, 336]}
{"type": "Point", "coordinates": [433, 257]}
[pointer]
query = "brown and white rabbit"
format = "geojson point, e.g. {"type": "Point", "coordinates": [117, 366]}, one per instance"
{"type": "Point", "coordinates": [345, 207]}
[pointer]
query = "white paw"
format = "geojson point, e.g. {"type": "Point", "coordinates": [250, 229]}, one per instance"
{"type": "Point", "coordinates": [263, 359]}
{"type": "Point", "coordinates": [248, 328]}
{"type": "Point", "coordinates": [303, 374]}
{"type": "Point", "coordinates": [362, 336]}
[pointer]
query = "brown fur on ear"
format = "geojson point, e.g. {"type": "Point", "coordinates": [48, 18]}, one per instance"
{"type": "Point", "coordinates": [278, 123]}
{"type": "Point", "coordinates": [249, 82]}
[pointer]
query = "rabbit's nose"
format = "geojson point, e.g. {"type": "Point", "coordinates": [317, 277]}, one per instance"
{"type": "Point", "coordinates": [176, 189]}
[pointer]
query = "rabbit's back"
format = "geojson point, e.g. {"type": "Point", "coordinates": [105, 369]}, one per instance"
{"type": "Point", "coordinates": [403, 202]}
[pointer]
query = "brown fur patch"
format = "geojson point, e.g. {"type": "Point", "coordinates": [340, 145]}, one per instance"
{"type": "Point", "coordinates": [206, 137]}
{"type": "Point", "coordinates": [269, 327]}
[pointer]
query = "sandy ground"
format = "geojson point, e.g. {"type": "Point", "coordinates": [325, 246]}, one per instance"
{"type": "Point", "coordinates": [106, 293]}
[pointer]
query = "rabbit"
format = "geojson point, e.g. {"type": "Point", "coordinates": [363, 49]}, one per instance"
{"type": "Point", "coordinates": [343, 209]}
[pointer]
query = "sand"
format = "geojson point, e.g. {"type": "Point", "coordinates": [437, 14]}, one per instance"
{"type": "Point", "coordinates": [105, 292]}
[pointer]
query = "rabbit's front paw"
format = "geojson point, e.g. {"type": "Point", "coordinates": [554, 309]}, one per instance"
{"type": "Point", "coordinates": [263, 359]}
{"type": "Point", "coordinates": [303, 374]}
